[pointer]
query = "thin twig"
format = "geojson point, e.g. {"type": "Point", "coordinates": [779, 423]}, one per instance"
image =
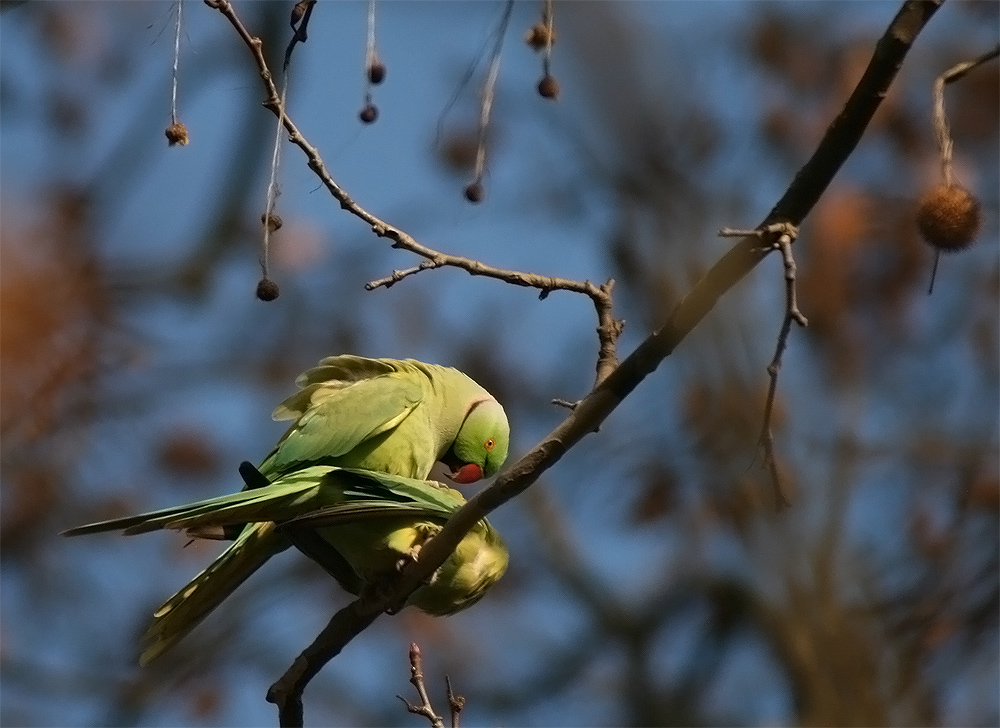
{"type": "Point", "coordinates": [271, 198]}
{"type": "Point", "coordinates": [369, 112]}
{"type": "Point", "coordinates": [560, 402]}
{"type": "Point", "coordinates": [176, 65]}
{"type": "Point", "coordinates": [455, 702]}
{"type": "Point", "coordinates": [371, 55]}
{"type": "Point", "coordinates": [792, 313]}
{"type": "Point", "coordinates": [809, 183]}
{"type": "Point", "coordinates": [786, 233]}
{"type": "Point", "coordinates": [941, 129]}
{"type": "Point", "coordinates": [417, 680]}
{"type": "Point", "coordinates": [489, 92]}
{"type": "Point", "coordinates": [547, 21]}
{"type": "Point", "coordinates": [937, 259]}
{"type": "Point", "coordinates": [398, 275]}
{"type": "Point", "coordinates": [608, 327]}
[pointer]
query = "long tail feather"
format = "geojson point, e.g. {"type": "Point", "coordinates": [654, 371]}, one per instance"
{"type": "Point", "coordinates": [185, 609]}
{"type": "Point", "coordinates": [257, 504]}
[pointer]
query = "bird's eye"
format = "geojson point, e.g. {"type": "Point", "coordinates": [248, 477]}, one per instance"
{"type": "Point", "coordinates": [489, 444]}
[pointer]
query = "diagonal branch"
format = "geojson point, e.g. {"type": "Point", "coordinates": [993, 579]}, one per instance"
{"type": "Point", "coordinates": [804, 191]}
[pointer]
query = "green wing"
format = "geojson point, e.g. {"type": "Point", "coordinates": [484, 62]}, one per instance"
{"type": "Point", "coordinates": [347, 369]}
{"type": "Point", "coordinates": [334, 416]}
{"type": "Point", "coordinates": [428, 494]}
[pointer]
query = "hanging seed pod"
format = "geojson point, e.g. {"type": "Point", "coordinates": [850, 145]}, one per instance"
{"type": "Point", "coordinates": [267, 289]}
{"type": "Point", "coordinates": [273, 221]}
{"type": "Point", "coordinates": [177, 133]}
{"type": "Point", "coordinates": [949, 218]}
{"type": "Point", "coordinates": [548, 87]}
{"type": "Point", "coordinates": [376, 72]}
{"type": "Point", "coordinates": [475, 192]}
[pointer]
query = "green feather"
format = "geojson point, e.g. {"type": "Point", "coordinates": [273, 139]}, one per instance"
{"type": "Point", "coordinates": [185, 609]}
{"type": "Point", "coordinates": [333, 421]}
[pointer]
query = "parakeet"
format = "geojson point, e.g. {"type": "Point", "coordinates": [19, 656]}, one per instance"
{"type": "Point", "coordinates": [372, 521]}
{"type": "Point", "coordinates": [381, 415]}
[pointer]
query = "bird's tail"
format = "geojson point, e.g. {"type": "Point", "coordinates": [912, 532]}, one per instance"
{"type": "Point", "coordinates": [287, 497]}
{"type": "Point", "coordinates": [185, 609]}
{"type": "Point", "coordinates": [260, 507]}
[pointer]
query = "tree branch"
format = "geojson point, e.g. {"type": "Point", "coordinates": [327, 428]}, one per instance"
{"type": "Point", "coordinates": [809, 183]}
{"type": "Point", "coordinates": [792, 313]}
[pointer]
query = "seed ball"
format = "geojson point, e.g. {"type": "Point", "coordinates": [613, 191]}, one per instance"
{"type": "Point", "coordinates": [273, 222]}
{"type": "Point", "coordinates": [267, 289]}
{"type": "Point", "coordinates": [949, 218]}
{"type": "Point", "coordinates": [475, 192]}
{"type": "Point", "coordinates": [177, 133]}
{"type": "Point", "coordinates": [548, 87]}
{"type": "Point", "coordinates": [376, 72]}
{"type": "Point", "coordinates": [539, 35]}
{"type": "Point", "coordinates": [369, 113]}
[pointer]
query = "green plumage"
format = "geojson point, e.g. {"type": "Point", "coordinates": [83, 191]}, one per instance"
{"type": "Point", "coordinates": [397, 417]}
{"type": "Point", "coordinates": [350, 474]}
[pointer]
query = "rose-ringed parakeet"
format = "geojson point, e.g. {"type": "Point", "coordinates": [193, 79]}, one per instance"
{"type": "Point", "coordinates": [382, 415]}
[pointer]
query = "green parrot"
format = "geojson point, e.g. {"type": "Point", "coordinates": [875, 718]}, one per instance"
{"type": "Point", "coordinates": [371, 522]}
{"type": "Point", "coordinates": [381, 415]}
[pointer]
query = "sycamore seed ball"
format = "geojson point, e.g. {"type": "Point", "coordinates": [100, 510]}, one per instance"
{"type": "Point", "coordinates": [475, 192]}
{"type": "Point", "coordinates": [267, 289]}
{"type": "Point", "coordinates": [949, 217]}
{"type": "Point", "coordinates": [177, 133]}
{"type": "Point", "coordinates": [548, 87]}
{"type": "Point", "coordinates": [376, 72]}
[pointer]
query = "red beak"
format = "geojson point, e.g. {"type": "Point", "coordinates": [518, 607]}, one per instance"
{"type": "Point", "coordinates": [468, 473]}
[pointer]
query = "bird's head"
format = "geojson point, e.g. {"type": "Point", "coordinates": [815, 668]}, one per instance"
{"type": "Point", "coordinates": [481, 445]}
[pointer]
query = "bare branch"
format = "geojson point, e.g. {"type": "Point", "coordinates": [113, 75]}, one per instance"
{"type": "Point", "coordinates": [177, 58]}
{"type": "Point", "coordinates": [792, 313]}
{"type": "Point", "coordinates": [455, 702]}
{"type": "Point", "coordinates": [398, 275]}
{"type": "Point", "coordinates": [486, 104]}
{"type": "Point", "coordinates": [810, 182]}
{"type": "Point", "coordinates": [550, 36]}
{"type": "Point", "coordinates": [417, 680]}
{"type": "Point", "coordinates": [786, 235]}
{"type": "Point", "coordinates": [560, 402]}
{"type": "Point", "coordinates": [941, 129]}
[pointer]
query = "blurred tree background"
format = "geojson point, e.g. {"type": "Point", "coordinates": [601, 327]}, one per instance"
{"type": "Point", "coordinates": [651, 582]}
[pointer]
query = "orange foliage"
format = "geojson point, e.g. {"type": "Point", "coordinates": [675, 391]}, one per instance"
{"type": "Point", "coordinates": [52, 303]}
